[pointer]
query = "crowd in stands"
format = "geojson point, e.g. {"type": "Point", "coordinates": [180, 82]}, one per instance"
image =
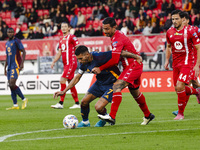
{"type": "Point", "coordinates": [38, 19]}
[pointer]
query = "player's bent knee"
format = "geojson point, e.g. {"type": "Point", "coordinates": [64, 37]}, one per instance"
{"type": "Point", "coordinates": [84, 103]}
{"type": "Point", "coordinates": [99, 109]}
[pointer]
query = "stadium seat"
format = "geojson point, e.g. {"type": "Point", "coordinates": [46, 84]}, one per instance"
{"type": "Point", "coordinates": [193, 18]}
{"type": "Point", "coordinates": [24, 27]}
{"type": "Point", "coordinates": [3, 15]}
{"type": "Point", "coordinates": [14, 26]}
{"type": "Point", "coordinates": [132, 19]}
{"type": "Point", "coordinates": [149, 12]}
{"type": "Point", "coordinates": [96, 24]}
{"type": "Point", "coordinates": [107, 9]}
{"type": "Point", "coordinates": [13, 21]}
{"type": "Point", "coordinates": [29, 6]}
{"type": "Point", "coordinates": [88, 23]}
{"type": "Point", "coordinates": [68, 17]}
{"type": "Point", "coordinates": [118, 21]}
{"type": "Point", "coordinates": [29, 1]}
{"type": "Point", "coordinates": [46, 12]}
{"type": "Point", "coordinates": [40, 13]}
{"type": "Point", "coordinates": [24, 1]}
{"type": "Point", "coordinates": [89, 10]}
{"type": "Point", "coordinates": [156, 12]}
{"type": "Point", "coordinates": [8, 21]}
{"type": "Point", "coordinates": [8, 14]}
{"type": "Point", "coordinates": [88, 16]}
{"type": "Point", "coordinates": [83, 10]}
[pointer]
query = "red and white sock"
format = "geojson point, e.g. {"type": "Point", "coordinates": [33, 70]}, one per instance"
{"type": "Point", "coordinates": [190, 90]}
{"type": "Point", "coordinates": [74, 94]}
{"type": "Point", "coordinates": [143, 105]}
{"type": "Point", "coordinates": [116, 101]}
{"type": "Point", "coordinates": [182, 98]}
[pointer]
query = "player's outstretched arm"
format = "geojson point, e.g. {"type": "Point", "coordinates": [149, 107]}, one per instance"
{"type": "Point", "coordinates": [196, 67]}
{"type": "Point", "coordinates": [168, 54]}
{"type": "Point", "coordinates": [132, 55]}
{"type": "Point", "coordinates": [73, 82]}
{"type": "Point", "coordinates": [57, 57]}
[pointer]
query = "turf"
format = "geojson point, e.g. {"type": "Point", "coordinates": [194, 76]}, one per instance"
{"type": "Point", "coordinates": [40, 127]}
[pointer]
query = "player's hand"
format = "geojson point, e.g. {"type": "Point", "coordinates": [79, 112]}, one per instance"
{"type": "Point", "coordinates": [59, 93]}
{"type": "Point", "coordinates": [196, 69]}
{"type": "Point", "coordinates": [96, 70]}
{"type": "Point", "coordinates": [139, 59]}
{"type": "Point", "coordinates": [5, 72]}
{"type": "Point", "coordinates": [52, 65]}
{"type": "Point", "coordinates": [166, 65]}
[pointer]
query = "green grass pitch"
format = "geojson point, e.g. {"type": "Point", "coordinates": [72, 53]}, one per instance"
{"type": "Point", "coordinates": [40, 127]}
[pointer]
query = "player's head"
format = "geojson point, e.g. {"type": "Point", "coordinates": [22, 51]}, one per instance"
{"type": "Point", "coordinates": [64, 27]}
{"type": "Point", "coordinates": [82, 54]}
{"type": "Point", "coordinates": [10, 33]}
{"type": "Point", "coordinates": [186, 18]}
{"type": "Point", "coordinates": [177, 18]}
{"type": "Point", "coordinates": [109, 26]}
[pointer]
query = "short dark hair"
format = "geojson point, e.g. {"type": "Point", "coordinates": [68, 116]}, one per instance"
{"type": "Point", "coordinates": [186, 15]}
{"type": "Point", "coordinates": [81, 49]}
{"type": "Point", "coordinates": [10, 29]}
{"type": "Point", "coordinates": [109, 20]}
{"type": "Point", "coordinates": [177, 11]}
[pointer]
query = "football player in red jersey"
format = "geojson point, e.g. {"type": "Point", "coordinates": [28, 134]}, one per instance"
{"type": "Point", "coordinates": [180, 42]}
{"type": "Point", "coordinates": [67, 46]}
{"type": "Point", "coordinates": [129, 77]}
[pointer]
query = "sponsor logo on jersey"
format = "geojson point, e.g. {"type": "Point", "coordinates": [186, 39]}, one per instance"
{"type": "Point", "coordinates": [195, 34]}
{"type": "Point", "coordinates": [114, 44]}
{"type": "Point", "coordinates": [178, 33]}
{"type": "Point", "coordinates": [178, 45]}
{"type": "Point", "coordinates": [74, 38]}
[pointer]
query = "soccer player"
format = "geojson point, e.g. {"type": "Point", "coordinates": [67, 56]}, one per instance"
{"type": "Point", "coordinates": [14, 64]}
{"type": "Point", "coordinates": [194, 81]}
{"type": "Point", "coordinates": [101, 88]}
{"type": "Point", "coordinates": [129, 77]}
{"type": "Point", "coordinates": [67, 46]}
{"type": "Point", "coordinates": [180, 42]}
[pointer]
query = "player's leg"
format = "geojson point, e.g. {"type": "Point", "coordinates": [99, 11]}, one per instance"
{"type": "Point", "coordinates": [140, 99]}
{"type": "Point", "coordinates": [85, 109]}
{"type": "Point", "coordinates": [75, 97]}
{"type": "Point", "coordinates": [196, 85]}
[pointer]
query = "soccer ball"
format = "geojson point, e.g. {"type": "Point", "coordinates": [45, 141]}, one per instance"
{"type": "Point", "coordinates": [70, 122]}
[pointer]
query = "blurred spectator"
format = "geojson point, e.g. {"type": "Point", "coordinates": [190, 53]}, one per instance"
{"type": "Point", "coordinates": [4, 30]}
{"type": "Point", "coordinates": [1, 36]}
{"type": "Point", "coordinates": [36, 4]}
{"type": "Point", "coordinates": [19, 33]}
{"type": "Point", "coordinates": [151, 4]}
{"type": "Point", "coordinates": [1, 21]}
{"type": "Point", "coordinates": [83, 33]}
{"type": "Point", "coordinates": [39, 34]}
{"type": "Point", "coordinates": [99, 31]}
{"type": "Point", "coordinates": [134, 9]}
{"type": "Point", "coordinates": [53, 29]}
{"type": "Point", "coordinates": [122, 10]}
{"type": "Point", "coordinates": [33, 16]}
{"type": "Point", "coordinates": [147, 30]}
{"type": "Point", "coordinates": [46, 19]}
{"type": "Point", "coordinates": [136, 30]}
{"type": "Point", "coordinates": [43, 4]}
{"type": "Point", "coordinates": [31, 34]}
{"type": "Point", "coordinates": [164, 9]}
{"type": "Point", "coordinates": [40, 21]}
{"type": "Point", "coordinates": [197, 21]}
{"type": "Point", "coordinates": [56, 18]}
{"type": "Point", "coordinates": [155, 28]}
{"type": "Point", "coordinates": [52, 13]}
{"type": "Point", "coordinates": [102, 13]}
{"type": "Point", "coordinates": [147, 19]}
{"type": "Point", "coordinates": [141, 23]}
{"type": "Point", "coordinates": [81, 20]}
{"type": "Point", "coordinates": [142, 13]}
{"type": "Point", "coordinates": [77, 32]}
{"type": "Point", "coordinates": [74, 21]}
{"type": "Point", "coordinates": [129, 23]}
{"type": "Point", "coordinates": [53, 3]}
{"type": "Point", "coordinates": [124, 28]}
{"type": "Point", "coordinates": [170, 7]}
{"type": "Point", "coordinates": [28, 14]}
{"type": "Point", "coordinates": [46, 29]}
{"type": "Point", "coordinates": [62, 7]}
{"type": "Point", "coordinates": [162, 23]}
{"type": "Point", "coordinates": [58, 9]}
{"type": "Point", "coordinates": [19, 10]}
{"type": "Point", "coordinates": [187, 6]}
{"type": "Point", "coordinates": [127, 12]}
{"type": "Point", "coordinates": [116, 6]}
{"type": "Point", "coordinates": [5, 5]}
{"type": "Point", "coordinates": [94, 13]}
{"type": "Point", "coordinates": [168, 22]}
{"type": "Point", "coordinates": [157, 58]}
{"type": "Point", "coordinates": [0, 6]}
{"type": "Point", "coordinates": [195, 5]}
{"type": "Point", "coordinates": [154, 18]}
{"type": "Point", "coordinates": [12, 5]}
{"type": "Point", "coordinates": [70, 7]}
{"type": "Point", "coordinates": [90, 31]}
{"type": "Point", "coordinates": [63, 18]}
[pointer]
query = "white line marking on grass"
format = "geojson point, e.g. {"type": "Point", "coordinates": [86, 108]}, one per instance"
{"type": "Point", "coordinates": [3, 138]}
{"type": "Point", "coordinates": [92, 135]}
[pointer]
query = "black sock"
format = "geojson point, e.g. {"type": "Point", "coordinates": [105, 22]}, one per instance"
{"type": "Point", "coordinates": [61, 102]}
{"type": "Point", "coordinates": [77, 103]}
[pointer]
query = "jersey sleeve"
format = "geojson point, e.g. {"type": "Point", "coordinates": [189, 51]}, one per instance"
{"type": "Point", "coordinates": [194, 37]}
{"type": "Point", "coordinates": [19, 44]}
{"type": "Point", "coordinates": [116, 52]}
{"type": "Point", "coordinates": [81, 69]}
{"type": "Point", "coordinates": [167, 37]}
{"type": "Point", "coordinates": [75, 40]}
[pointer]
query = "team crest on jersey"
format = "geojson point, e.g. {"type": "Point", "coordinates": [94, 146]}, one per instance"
{"type": "Point", "coordinates": [63, 46]}
{"type": "Point", "coordinates": [178, 33]}
{"type": "Point", "coordinates": [114, 44]}
{"type": "Point", "coordinates": [74, 38]}
{"type": "Point", "coordinates": [11, 44]}
{"type": "Point", "coordinates": [178, 45]}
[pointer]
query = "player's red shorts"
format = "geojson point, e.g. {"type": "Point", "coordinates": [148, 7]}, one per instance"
{"type": "Point", "coordinates": [193, 77]}
{"type": "Point", "coordinates": [68, 71]}
{"type": "Point", "coordinates": [182, 73]}
{"type": "Point", "coordinates": [132, 74]}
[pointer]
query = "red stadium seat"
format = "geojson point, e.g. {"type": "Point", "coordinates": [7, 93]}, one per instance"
{"type": "Point", "coordinates": [14, 26]}
{"type": "Point", "coordinates": [89, 10]}
{"type": "Point", "coordinates": [88, 16]}
{"type": "Point", "coordinates": [3, 15]}
{"type": "Point", "coordinates": [46, 12]}
{"type": "Point", "coordinates": [88, 23]}
{"type": "Point", "coordinates": [8, 21]}
{"type": "Point", "coordinates": [96, 24]}
{"type": "Point", "coordinates": [118, 21]}
{"type": "Point", "coordinates": [149, 12]}
{"type": "Point", "coordinates": [13, 21]}
{"type": "Point", "coordinates": [156, 12]}
{"type": "Point", "coordinates": [40, 13]}
{"type": "Point", "coordinates": [24, 27]}
{"type": "Point", "coordinates": [29, 6]}
{"type": "Point", "coordinates": [193, 18]}
{"type": "Point", "coordinates": [106, 8]}
{"type": "Point", "coordinates": [29, 1]}
{"type": "Point", "coordinates": [24, 1]}
{"type": "Point", "coordinates": [83, 10]}
{"type": "Point", "coordinates": [8, 14]}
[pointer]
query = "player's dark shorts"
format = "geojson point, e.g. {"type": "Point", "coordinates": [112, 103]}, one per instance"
{"type": "Point", "coordinates": [99, 90]}
{"type": "Point", "coordinates": [13, 73]}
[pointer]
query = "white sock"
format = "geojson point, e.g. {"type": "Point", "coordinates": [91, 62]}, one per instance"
{"type": "Point", "coordinates": [15, 105]}
{"type": "Point", "coordinates": [86, 122]}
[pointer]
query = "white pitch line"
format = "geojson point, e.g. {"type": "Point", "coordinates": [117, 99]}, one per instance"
{"type": "Point", "coordinates": [110, 134]}
{"type": "Point", "coordinates": [3, 138]}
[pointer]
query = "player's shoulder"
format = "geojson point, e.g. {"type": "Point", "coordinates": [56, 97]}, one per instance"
{"type": "Point", "coordinates": [171, 29]}
{"type": "Point", "coordinates": [17, 40]}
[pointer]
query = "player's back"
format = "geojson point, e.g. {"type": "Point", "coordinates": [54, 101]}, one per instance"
{"type": "Point", "coordinates": [13, 53]}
